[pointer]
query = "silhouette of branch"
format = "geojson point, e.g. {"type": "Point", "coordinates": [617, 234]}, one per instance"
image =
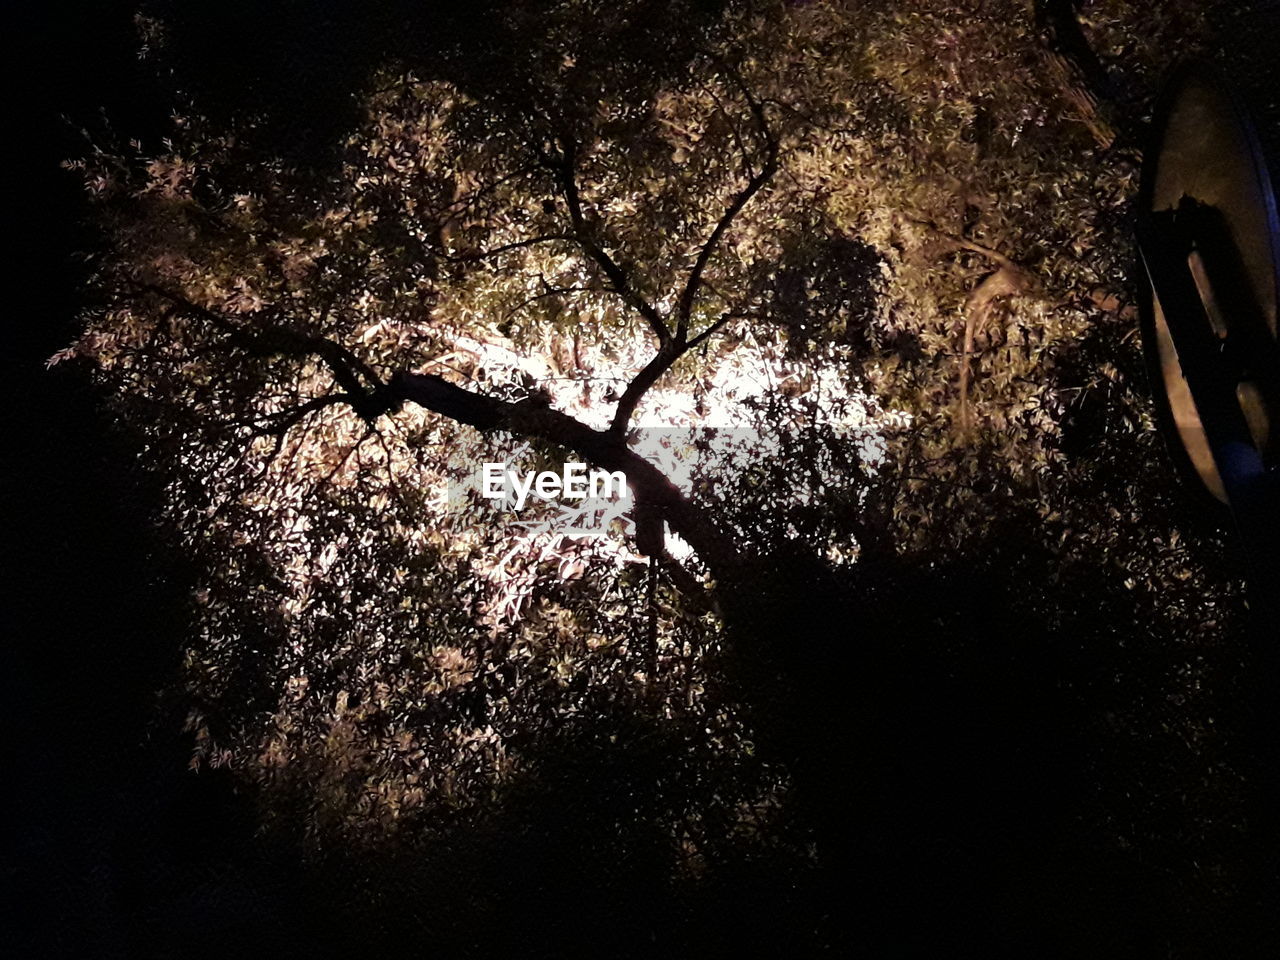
{"type": "Point", "coordinates": [278, 340]}
{"type": "Point", "coordinates": [565, 169]}
{"type": "Point", "coordinates": [768, 168]}
{"type": "Point", "coordinates": [604, 449]}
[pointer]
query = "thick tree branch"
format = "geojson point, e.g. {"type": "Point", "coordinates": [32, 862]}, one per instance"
{"type": "Point", "coordinates": [277, 340]}
{"type": "Point", "coordinates": [373, 398]}
{"type": "Point", "coordinates": [604, 449]}
{"type": "Point", "coordinates": [652, 371]}
{"type": "Point", "coordinates": [1060, 28]}
{"type": "Point", "coordinates": [1008, 279]}
{"type": "Point", "coordinates": [1080, 74]}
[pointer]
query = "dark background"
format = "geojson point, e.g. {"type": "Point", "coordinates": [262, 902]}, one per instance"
{"type": "Point", "coordinates": [112, 848]}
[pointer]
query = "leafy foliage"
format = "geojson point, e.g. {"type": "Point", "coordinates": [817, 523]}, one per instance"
{"type": "Point", "coordinates": [869, 256]}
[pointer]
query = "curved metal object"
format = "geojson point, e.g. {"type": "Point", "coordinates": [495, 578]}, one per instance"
{"type": "Point", "coordinates": [1209, 236]}
{"type": "Point", "coordinates": [1210, 240]}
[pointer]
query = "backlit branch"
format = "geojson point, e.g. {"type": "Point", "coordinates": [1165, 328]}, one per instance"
{"type": "Point", "coordinates": [667, 354]}
{"type": "Point", "coordinates": [365, 390]}
{"type": "Point", "coordinates": [677, 345]}
{"type": "Point", "coordinates": [565, 169]}
{"type": "Point", "coordinates": [767, 169]}
{"type": "Point", "coordinates": [602, 448]}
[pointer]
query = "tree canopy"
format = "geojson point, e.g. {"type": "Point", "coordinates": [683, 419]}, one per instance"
{"type": "Point", "coordinates": [841, 288]}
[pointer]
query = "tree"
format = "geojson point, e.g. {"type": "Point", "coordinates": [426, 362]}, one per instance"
{"type": "Point", "coordinates": [556, 250]}
{"type": "Point", "coordinates": [879, 245]}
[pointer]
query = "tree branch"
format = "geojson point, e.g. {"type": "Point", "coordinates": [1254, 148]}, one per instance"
{"type": "Point", "coordinates": [754, 185]}
{"type": "Point", "coordinates": [652, 371]}
{"type": "Point", "coordinates": [673, 347]}
{"type": "Point", "coordinates": [713, 329]}
{"type": "Point", "coordinates": [1009, 279]}
{"type": "Point", "coordinates": [1081, 76]}
{"type": "Point", "coordinates": [505, 248]}
{"type": "Point", "coordinates": [604, 449]}
{"type": "Point", "coordinates": [365, 390]}
{"type": "Point", "coordinates": [564, 168]}
{"type": "Point", "coordinates": [748, 172]}
{"type": "Point", "coordinates": [282, 421]}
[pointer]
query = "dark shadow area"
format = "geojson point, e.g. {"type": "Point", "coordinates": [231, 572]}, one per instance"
{"type": "Point", "coordinates": [1248, 30]}
{"type": "Point", "coordinates": [966, 750]}
{"type": "Point", "coordinates": [299, 67]}
{"type": "Point", "coordinates": [114, 850]}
